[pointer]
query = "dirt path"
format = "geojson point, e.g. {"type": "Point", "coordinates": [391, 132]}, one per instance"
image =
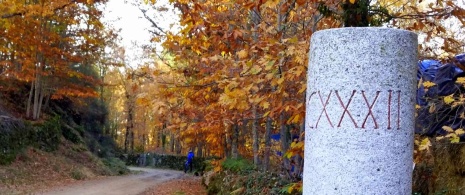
{"type": "Point", "coordinates": [122, 185]}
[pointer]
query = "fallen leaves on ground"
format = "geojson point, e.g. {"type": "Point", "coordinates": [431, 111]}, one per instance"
{"type": "Point", "coordinates": [35, 171]}
{"type": "Point", "coordinates": [186, 185]}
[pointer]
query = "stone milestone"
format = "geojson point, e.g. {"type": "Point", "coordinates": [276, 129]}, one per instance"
{"type": "Point", "coordinates": [360, 111]}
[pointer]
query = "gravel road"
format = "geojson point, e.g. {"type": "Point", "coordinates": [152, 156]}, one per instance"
{"type": "Point", "coordinates": [120, 185]}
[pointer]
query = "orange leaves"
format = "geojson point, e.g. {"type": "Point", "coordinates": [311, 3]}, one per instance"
{"type": "Point", "coordinates": [271, 3]}
{"type": "Point", "coordinates": [242, 54]}
{"type": "Point", "coordinates": [234, 99]}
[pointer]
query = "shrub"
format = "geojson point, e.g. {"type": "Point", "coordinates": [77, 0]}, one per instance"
{"type": "Point", "coordinates": [116, 166]}
{"type": "Point", "coordinates": [77, 174]}
{"type": "Point", "coordinates": [251, 182]}
{"type": "Point", "coordinates": [14, 137]}
{"type": "Point", "coordinates": [48, 134]}
{"type": "Point", "coordinates": [237, 165]}
{"type": "Point", "coordinates": [71, 134]}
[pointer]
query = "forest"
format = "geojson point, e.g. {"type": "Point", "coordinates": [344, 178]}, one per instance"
{"type": "Point", "coordinates": [229, 84]}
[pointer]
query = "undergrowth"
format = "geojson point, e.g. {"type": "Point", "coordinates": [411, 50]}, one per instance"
{"type": "Point", "coordinates": [240, 176]}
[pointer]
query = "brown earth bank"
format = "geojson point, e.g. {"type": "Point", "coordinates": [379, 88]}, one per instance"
{"type": "Point", "coordinates": [35, 170]}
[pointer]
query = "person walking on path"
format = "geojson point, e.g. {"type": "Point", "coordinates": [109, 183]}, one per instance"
{"type": "Point", "coordinates": [190, 158]}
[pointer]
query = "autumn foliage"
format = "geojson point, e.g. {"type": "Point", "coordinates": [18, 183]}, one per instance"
{"type": "Point", "coordinates": [50, 47]}
{"type": "Point", "coordinates": [231, 77]}
{"type": "Point", "coordinates": [233, 74]}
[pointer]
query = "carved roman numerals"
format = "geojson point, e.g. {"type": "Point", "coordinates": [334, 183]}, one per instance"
{"type": "Point", "coordinates": [359, 104]}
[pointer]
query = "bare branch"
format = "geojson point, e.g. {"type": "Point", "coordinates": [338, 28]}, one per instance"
{"type": "Point", "coordinates": [154, 24]}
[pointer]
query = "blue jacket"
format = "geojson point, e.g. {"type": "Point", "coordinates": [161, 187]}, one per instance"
{"type": "Point", "coordinates": [190, 156]}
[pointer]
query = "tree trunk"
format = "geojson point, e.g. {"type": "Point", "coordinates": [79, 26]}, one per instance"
{"type": "Point", "coordinates": [234, 141]}
{"type": "Point", "coordinates": [132, 141]}
{"type": "Point", "coordinates": [283, 134]}
{"type": "Point", "coordinates": [172, 142]}
{"type": "Point", "coordinates": [128, 142]}
{"type": "Point", "coordinates": [284, 141]}
{"type": "Point", "coordinates": [178, 146]}
{"type": "Point", "coordinates": [29, 100]}
{"type": "Point", "coordinates": [267, 154]}
{"type": "Point", "coordinates": [41, 99]}
{"type": "Point", "coordinates": [225, 148]}
{"type": "Point", "coordinates": [255, 137]}
{"type": "Point", "coordinates": [35, 104]}
{"type": "Point", "coordinates": [199, 149]}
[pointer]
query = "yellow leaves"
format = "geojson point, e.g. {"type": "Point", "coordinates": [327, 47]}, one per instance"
{"type": "Point", "coordinates": [424, 144]}
{"type": "Point", "coordinates": [296, 148]}
{"type": "Point", "coordinates": [352, 1]}
{"type": "Point", "coordinates": [188, 140]}
{"type": "Point", "coordinates": [271, 3]}
{"type": "Point", "coordinates": [296, 119]}
{"type": "Point", "coordinates": [235, 98]}
{"type": "Point", "coordinates": [459, 131]}
{"type": "Point", "coordinates": [222, 8]}
{"type": "Point", "coordinates": [299, 60]}
{"type": "Point", "coordinates": [454, 136]}
{"type": "Point", "coordinates": [428, 84]}
{"type": "Point", "coordinates": [242, 54]}
{"type": "Point", "coordinates": [265, 105]}
{"type": "Point", "coordinates": [266, 114]}
{"type": "Point", "coordinates": [256, 99]}
{"type": "Point", "coordinates": [255, 69]}
{"type": "Point", "coordinates": [460, 80]}
{"type": "Point", "coordinates": [294, 187]}
{"type": "Point", "coordinates": [182, 125]}
{"type": "Point", "coordinates": [173, 100]}
{"type": "Point", "coordinates": [449, 99]}
{"type": "Point", "coordinates": [303, 87]}
{"type": "Point", "coordinates": [455, 139]}
{"type": "Point", "coordinates": [448, 129]}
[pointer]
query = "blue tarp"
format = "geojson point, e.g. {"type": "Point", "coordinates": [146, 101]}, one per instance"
{"type": "Point", "coordinates": [444, 76]}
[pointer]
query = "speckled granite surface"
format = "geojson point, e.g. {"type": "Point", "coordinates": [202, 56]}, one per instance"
{"type": "Point", "coordinates": [360, 112]}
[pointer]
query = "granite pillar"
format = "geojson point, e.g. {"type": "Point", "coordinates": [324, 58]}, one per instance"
{"type": "Point", "coordinates": [360, 111]}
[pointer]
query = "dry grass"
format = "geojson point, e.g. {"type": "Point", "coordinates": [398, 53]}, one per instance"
{"type": "Point", "coordinates": [449, 168]}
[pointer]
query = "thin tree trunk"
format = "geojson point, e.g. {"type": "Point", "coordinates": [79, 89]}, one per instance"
{"type": "Point", "coordinates": [283, 134]}
{"type": "Point", "coordinates": [126, 140]}
{"type": "Point", "coordinates": [178, 146]}
{"type": "Point", "coordinates": [29, 100]}
{"type": "Point", "coordinates": [225, 148]}
{"type": "Point", "coordinates": [234, 141]}
{"type": "Point", "coordinates": [255, 137]}
{"type": "Point", "coordinates": [172, 142]}
{"type": "Point", "coordinates": [267, 154]}
{"type": "Point", "coordinates": [35, 105]}
{"type": "Point", "coordinates": [132, 141]}
{"type": "Point", "coordinates": [129, 126]}
{"type": "Point", "coordinates": [284, 141]}
{"type": "Point", "coordinates": [199, 149]}
{"type": "Point", "coordinates": [41, 99]}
